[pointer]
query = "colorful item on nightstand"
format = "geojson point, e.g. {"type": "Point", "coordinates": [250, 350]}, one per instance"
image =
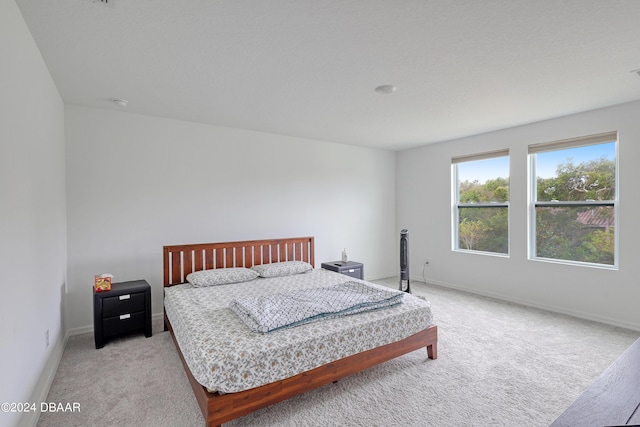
{"type": "Point", "coordinates": [103, 282]}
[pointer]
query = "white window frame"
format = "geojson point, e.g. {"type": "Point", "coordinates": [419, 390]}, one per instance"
{"type": "Point", "coordinates": [456, 205]}
{"type": "Point", "coordinates": [533, 192]}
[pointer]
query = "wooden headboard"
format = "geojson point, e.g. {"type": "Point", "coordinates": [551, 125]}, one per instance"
{"type": "Point", "coordinates": [180, 260]}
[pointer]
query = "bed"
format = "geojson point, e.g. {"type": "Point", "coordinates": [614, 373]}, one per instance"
{"type": "Point", "coordinates": [250, 390]}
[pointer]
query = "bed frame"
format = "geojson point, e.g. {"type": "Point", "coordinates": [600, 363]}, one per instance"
{"type": "Point", "coordinates": [180, 260]}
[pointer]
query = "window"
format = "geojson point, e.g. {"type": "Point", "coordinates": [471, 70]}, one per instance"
{"type": "Point", "coordinates": [573, 200]}
{"type": "Point", "coordinates": [481, 202]}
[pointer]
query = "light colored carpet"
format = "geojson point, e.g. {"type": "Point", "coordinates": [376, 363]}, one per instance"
{"type": "Point", "coordinates": [499, 364]}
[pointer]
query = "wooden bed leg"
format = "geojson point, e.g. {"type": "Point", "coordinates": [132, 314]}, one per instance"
{"type": "Point", "coordinates": [432, 351]}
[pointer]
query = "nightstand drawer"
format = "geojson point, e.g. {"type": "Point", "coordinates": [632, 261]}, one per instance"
{"type": "Point", "coordinates": [121, 304]}
{"type": "Point", "coordinates": [353, 272]}
{"type": "Point", "coordinates": [126, 322]}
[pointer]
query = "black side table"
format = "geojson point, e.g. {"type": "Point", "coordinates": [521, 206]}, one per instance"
{"type": "Point", "coordinates": [126, 308]}
{"type": "Point", "coordinates": [350, 268]}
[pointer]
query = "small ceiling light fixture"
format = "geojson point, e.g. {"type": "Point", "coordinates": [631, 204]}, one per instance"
{"type": "Point", "coordinates": [120, 102]}
{"type": "Point", "coordinates": [386, 89]}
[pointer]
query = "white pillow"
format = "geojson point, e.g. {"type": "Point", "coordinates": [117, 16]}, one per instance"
{"type": "Point", "coordinates": [285, 268]}
{"type": "Point", "coordinates": [221, 276]}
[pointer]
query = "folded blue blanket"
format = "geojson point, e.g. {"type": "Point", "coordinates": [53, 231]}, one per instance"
{"type": "Point", "coordinates": [274, 312]}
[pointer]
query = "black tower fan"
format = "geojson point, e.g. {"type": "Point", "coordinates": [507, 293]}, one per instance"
{"type": "Point", "coordinates": [404, 261]}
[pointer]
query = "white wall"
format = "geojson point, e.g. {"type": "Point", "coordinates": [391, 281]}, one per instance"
{"type": "Point", "coordinates": [136, 183]}
{"type": "Point", "coordinates": [32, 215]}
{"type": "Point", "coordinates": [424, 206]}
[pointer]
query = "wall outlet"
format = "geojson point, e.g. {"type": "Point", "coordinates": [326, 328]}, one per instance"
{"type": "Point", "coordinates": [46, 338]}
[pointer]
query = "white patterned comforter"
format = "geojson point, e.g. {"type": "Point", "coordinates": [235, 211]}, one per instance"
{"type": "Point", "coordinates": [226, 356]}
{"type": "Point", "coordinates": [290, 309]}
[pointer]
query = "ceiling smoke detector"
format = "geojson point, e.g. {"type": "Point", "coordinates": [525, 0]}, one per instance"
{"type": "Point", "coordinates": [386, 89]}
{"type": "Point", "coordinates": [120, 102]}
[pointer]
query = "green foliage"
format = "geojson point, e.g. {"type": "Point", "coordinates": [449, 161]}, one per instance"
{"type": "Point", "coordinates": [471, 232]}
{"type": "Point", "coordinates": [594, 180]}
{"type": "Point", "coordinates": [484, 229]}
{"type": "Point", "coordinates": [602, 243]}
{"type": "Point", "coordinates": [494, 190]}
{"type": "Point", "coordinates": [560, 235]}
{"type": "Point", "coordinates": [561, 232]}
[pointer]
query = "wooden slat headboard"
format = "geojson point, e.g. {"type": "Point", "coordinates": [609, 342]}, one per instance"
{"type": "Point", "coordinates": [180, 260]}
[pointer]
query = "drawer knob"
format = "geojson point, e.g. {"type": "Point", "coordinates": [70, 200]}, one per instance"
{"type": "Point", "coordinates": [125, 316]}
{"type": "Point", "coordinates": [127, 296]}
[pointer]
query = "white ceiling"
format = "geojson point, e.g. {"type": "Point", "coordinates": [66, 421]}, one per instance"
{"type": "Point", "coordinates": [308, 68]}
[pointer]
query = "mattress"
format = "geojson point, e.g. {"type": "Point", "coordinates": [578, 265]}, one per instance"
{"type": "Point", "coordinates": [225, 356]}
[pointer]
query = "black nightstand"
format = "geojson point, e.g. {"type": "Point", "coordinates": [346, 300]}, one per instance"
{"type": "Point", "coordinates": [124, 309]}
{"type": "Point", "coordinates": [350, 268]}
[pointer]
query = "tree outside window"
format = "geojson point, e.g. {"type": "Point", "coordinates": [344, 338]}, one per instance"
{"type": "Point", "coordinates": [574, 198]}
{"type": "Point", "coordinates": [481, 211]}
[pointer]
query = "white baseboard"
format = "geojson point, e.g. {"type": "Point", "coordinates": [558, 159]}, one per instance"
{"type": "Point", "coordinates": [547, 307]}
{"type": "Point", "coordinates": [80, 330]}
{"type": "Point", "coordinates": [41, 391]}
{"type": "Point", "coordinates": [30, 419]}
{"type": "Point", "coordinates": [89, 328]}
